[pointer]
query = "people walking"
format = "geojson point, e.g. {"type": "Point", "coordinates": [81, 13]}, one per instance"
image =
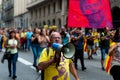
{"type": "Point", "coordinates": [90, 44]}
{"type": "Point", "coordinates": [114, 52]}
{"type": "Point", "coordinates": [35, 46]}
{"type": "Point", "coordinates": [11, 46]}
{"type": "Point", "coordinates": [44, 40]}
{"type": "Point", "coordinates": [29, 37]}
{"type": "Point", "coordinates": [104, 45]}
{"type": "Point", "coordinates": [79, 53]}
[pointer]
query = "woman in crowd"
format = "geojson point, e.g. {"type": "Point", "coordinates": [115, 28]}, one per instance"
{"type": "Point", "coordinates": [114, 52]}
{"type": "Point", "coordinates": [44, 40]}
{"type": "Point", "coordinates": [35, 46]}
{"type": "Point", "coordinates": [11, 46]}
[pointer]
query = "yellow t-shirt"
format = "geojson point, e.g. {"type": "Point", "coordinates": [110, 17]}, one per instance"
{"type": "Point", "coordinates": [51, 73]}
{"type": "Point", "coordinates": [95, 34]}
{"type": "Point", "coordinates": [4, 41]}
{"type": "Point", "coordinates": [113, 43]}
{"type": "Point", "coordinates": [23, 34]}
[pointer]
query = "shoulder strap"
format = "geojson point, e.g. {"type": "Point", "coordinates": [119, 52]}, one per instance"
{"type": "Point", "coordinates": [47, 50]}
{"type": "Point", "coordinates": [42, 72]}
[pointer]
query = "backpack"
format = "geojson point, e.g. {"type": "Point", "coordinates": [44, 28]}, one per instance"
{"type": "Point", "coordinates": [42, 71]}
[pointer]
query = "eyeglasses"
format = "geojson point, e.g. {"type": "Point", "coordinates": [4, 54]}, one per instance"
{"type": "Point", "coordinates": [56, 37]}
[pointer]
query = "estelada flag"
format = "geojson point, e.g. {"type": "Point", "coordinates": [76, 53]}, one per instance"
{"type": "Point", "coordinates": [89, 13]}
{"type": "Point", "coordinates": [108, 60]}
{"type": "Point", "coordinates": [108, 63]}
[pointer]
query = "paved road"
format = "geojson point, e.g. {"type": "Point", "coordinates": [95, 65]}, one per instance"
{"type": "Point", "coordinates": [25, 71]}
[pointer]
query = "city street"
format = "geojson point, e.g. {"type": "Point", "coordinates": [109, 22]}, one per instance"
{"type": "Point", "coordinates": [25, 71]}
{"type": "Point", "coordinates": [85, 23]}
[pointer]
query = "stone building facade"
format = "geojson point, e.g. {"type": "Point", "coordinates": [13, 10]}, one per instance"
{"type": "Point", "coordinates": [8, 13]}
{"type": "Point", "coordinates": [50, 12]}
{"type": "Point", "coordinates": [0, 13]}
{"type": "Point", "coordinates": [37, 13]}
{"type": "Point", "coordinates": [115, 8]}
{"type": "Point", "coordinates": [21, 14]}
{"type": "Point", "coordinates": [115, 3]}
{"type": "Point", "coordinates": [54, 12]}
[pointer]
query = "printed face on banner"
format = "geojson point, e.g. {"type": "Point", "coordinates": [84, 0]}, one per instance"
{"type": "Point", "coordinates": [89, 14]}
{"type": "Point", "coordinates": [92, 10]}
{"type": "Point", "coordinates": [90, 6]}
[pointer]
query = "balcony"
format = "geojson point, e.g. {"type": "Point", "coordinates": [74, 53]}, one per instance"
{"type": "Point", "coordinates": [7, 16]}
{"type": "Point", "coordinates": [8, 5]}
{"type": "Point", "coordinates": [34, 3]}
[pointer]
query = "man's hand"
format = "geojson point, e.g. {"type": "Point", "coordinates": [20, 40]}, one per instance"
{"type": "Point", "coordinates": [113, 49]}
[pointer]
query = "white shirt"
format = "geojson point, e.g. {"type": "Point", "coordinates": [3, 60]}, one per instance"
{"type": "Point", "coordinates": [13, 42]}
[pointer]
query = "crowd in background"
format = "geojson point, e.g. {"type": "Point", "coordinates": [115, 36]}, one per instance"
{"type": "Point", "coordinates": [36, 39]}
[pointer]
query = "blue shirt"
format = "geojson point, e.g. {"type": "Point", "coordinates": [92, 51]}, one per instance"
{"type": "Point", "coordinates": [29, 35]}
{"type": "Point", "coordinates": [117, 40]}
{"type": "Point", "coordinates": [65, 40]}
{"type": "Point", "coordinates": [80, 43]}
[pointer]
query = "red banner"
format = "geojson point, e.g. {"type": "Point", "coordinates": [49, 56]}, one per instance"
{"type": "Point", "coordinates": [89, 13]}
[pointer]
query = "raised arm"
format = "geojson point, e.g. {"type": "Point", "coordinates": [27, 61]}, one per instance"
{"type": "Point", "coordinates": [73, 71]}
{"type": "Point", "coordinates": [44, 65]}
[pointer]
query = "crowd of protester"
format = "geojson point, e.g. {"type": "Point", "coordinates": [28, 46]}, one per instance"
{"type": "Point", "coordinates": [36, 39]}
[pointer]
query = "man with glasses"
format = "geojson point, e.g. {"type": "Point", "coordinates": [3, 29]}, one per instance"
{"type": "Point", "coordinates": [48, 61]}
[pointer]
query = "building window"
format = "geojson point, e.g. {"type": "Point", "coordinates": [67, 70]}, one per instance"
{"type": "Point", "coordinates": [44, 23]}
{"type": "Point", "coordinates": [36, 25]}
{"type": "Point", "coordinates": [49, 9]}
{"type": "Point", "coordinates": [49, 23]}
{"type": "Point", "coordinates": [59, 5]}
{"type": "Point", "coordinates": [36, 13]}
{"type": "Point", "coordinates": [44, 11]}
{"type": "Point", "coordinates": [12, 1]}
{"type": "Point", "coordinates": [40, 24]}
{"type": "Point", "coordinates": [54, 7]}
{"type": "Point", "coordinates": [67, 5]}
{"type": "Point", "coordinates": [59, 23]}
{"type": "Point", "coordinates": [53, 21]}
{"type": "Point", "coordinates": [15, 24]}
{"type": "Point", "coordinates": [40, 12]}
{"type": "Point", "coordinates": [27, 23]}
{"type": "Point", "coordinates": [31, 14]}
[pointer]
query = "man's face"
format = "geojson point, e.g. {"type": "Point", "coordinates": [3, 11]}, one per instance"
{"type": "Point", "coordinates": [56, 38]}
{"type": "Point", "coordinates": [78, 31]}
{"type": "Point", "coordinates": [92, 10]}
{"type": "Point", "coordinates": [90, 6]}
{"type": "Point", "coordinates": [63, 29]}
{"type": "Point", "coordinates": [90, 31]}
